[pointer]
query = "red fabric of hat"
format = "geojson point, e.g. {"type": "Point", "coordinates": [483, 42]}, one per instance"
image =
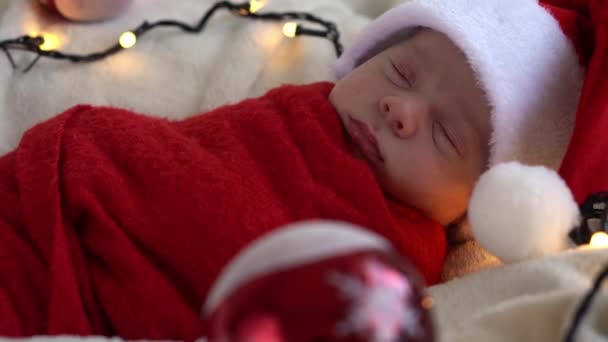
{"type": "Point", "coordinates": [585, 165]}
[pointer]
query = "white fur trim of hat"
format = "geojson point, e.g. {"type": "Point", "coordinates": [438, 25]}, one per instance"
{"type": "Point", "coordinates": [527, 66]}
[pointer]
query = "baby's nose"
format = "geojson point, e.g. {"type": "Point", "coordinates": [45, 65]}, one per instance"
{"type": "Point", "coordinates": [401, 115]}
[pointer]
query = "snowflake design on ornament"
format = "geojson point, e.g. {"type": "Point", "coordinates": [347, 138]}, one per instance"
{"type": "Point", "coordinates": [379, 306]}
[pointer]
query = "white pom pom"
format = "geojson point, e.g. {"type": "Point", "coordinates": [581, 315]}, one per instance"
{"type": "Point", "coordinates": [519, 212]}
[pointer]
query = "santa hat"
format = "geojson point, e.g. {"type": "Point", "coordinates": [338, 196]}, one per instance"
{"type": "Point", "coordinates": [527, 57]}
{"type": "Point", "coordinates": [527, 66]}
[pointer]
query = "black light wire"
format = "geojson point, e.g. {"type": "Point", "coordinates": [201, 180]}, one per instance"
{"type": "Point", "coordinates": [32, 44]}
{"type": "Point", "coordinates": [594, 219]}
{"type": "Point", "coordinates": [585, 305]}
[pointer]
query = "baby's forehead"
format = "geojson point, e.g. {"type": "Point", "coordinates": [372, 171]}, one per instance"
{"type": "Point", "coordinates": [429, 40]}
{"type": "Point", "coordinates": [394, 40]}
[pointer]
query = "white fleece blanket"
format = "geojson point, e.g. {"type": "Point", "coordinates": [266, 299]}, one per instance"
{"type": "Point", "coordinates": [529, 301]}
{"type": "Point", "coordinates": [168, 73]}
{"type": "Point", "coordinates": [174, 75]}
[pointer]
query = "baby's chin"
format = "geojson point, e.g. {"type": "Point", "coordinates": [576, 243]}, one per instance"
{"type": "Point", "coordinates": [397, 195]}
{"type": "Point", "coordinates": [387, 186]}
{"type": "Point", "coordinates": [375, 166]}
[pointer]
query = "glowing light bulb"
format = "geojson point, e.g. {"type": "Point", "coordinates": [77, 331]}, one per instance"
{"type": "Point", "coordinates": [256, 5]}
{"type": "Point", "coordinates": [289, 29]}
{"type": "Point", "coordinates": [49, 42]}
{"type": "Point", "coordinates": [427, 303]}
{"type": "Point", "coordinates": [127, 39]}
{"type": "Point", "coordinates": [599, 240]}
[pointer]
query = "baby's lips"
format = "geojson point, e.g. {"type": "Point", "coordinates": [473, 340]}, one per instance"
{"type": "Point", "coordinates": [365, 140]}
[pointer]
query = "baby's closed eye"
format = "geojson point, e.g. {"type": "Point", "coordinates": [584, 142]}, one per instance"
{"type": "Point", "coordinates": [405, 75]}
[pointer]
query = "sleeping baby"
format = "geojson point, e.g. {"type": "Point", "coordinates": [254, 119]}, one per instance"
{"type": "Point", "coordinates": [116, 223]}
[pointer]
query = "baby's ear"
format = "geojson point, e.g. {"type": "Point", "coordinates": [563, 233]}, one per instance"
{"type": "Point", "coordinates": [460, 231]}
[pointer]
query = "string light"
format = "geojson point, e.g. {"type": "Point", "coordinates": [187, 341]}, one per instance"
{"type": "Point", "coordinates": [592, 233]}
{"type": "Point", "coordinates": [49, 42]}
{"type": "Point", "coordinates": [127, 40]}
{"type": "Point", "coordinates": [47, 47]}
{"type": "Point", "coordinates": [427, 303]}
{"type": "Point", "coordinates": [593, 228]}
{"type": "Point", "coordinates": [599, 240]}
{"type": "Point", "coordinates": [290, 29]}
{"type": "Point", "coordinates": [256, 5]}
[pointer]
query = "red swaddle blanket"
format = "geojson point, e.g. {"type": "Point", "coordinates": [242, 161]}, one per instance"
{"type": "Point", "coordinates": [116, 223]}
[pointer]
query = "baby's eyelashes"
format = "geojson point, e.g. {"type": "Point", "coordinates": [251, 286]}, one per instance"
{"type": "Point", "coordinates": [405, 72]}
{"type": "Point", "coordinates": [442, 136]}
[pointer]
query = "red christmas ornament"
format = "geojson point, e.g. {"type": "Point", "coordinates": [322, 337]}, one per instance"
{"type": "Point", "coordinates": [86, 10]}
{"type": "Point", "coordinates": [319, 281]}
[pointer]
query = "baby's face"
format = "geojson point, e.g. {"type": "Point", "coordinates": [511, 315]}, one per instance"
{"type": "Point", "coordinates": [421, 121]}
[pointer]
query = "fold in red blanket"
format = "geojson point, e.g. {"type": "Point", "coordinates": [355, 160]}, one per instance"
{"type": "Point", "coordinates": [115, 223]}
